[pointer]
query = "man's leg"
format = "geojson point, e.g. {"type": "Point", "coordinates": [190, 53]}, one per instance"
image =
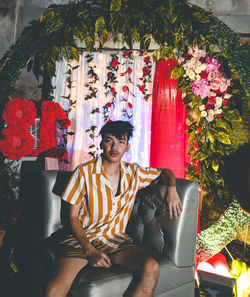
{"type": "Point", "coordinates": [146, 270]}
{"type": "Point", "coordinates": [65, 272]}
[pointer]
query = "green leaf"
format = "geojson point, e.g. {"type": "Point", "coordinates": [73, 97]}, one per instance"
{"type": "Point", "coordinates": [135, 35]}
{"type": "Point", "coordinates": [99, 24]}
{"type": "Point", "coordinates": [220, 124]}
{"type": "Point", "coordinates": [215, 165]}
{"type": "Point", "coordinates": [103, 35]}
{"type": "Point", "coordinates": [210, 136]}
{"type": "Point", "coordinates": [115, 5]}
{"type": "Point", "coordinates": [192, 136]}
{"type": "Point", "coordinates": [89, 44]}
{"type": "Point", "coordinates": [223, 137]}
{"type": "Point", "coordinates": [177, 72]}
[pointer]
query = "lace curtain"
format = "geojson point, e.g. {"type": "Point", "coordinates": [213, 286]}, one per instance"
{"type": "Point", "coordinates": [80, 114]}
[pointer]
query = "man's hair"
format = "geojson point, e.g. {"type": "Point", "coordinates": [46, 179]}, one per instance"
{"type": "Point", "coordinates": [118, 129]}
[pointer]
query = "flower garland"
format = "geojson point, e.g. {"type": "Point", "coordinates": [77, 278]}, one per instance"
{"type": "Point", "coordinates": [146, 77]}
{"type": "Point", "coordinates": [19, 115]}
{"type": "Point", "coordinates": [207, 91]}
{"type": "Point", "coordinates": [207, 81]}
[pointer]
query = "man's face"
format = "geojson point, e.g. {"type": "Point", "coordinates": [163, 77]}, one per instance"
{"type": "Point", "coordinates": [114, 148]}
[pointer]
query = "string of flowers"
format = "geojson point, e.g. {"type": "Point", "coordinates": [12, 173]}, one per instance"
{"type": "Point", "coordinates": [92, 94]}
{"type": "Point", "coordinates": [209, 96]}
{"type": "Point", "coordinates": [146, 77]}
{"type": "Point", "coordinates": [126, 89]}
{"type": "Point", "coordinates": [110, 85]}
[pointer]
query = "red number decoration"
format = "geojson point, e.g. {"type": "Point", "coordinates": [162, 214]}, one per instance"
{"type": "Point", "coordinates": [19, 115]}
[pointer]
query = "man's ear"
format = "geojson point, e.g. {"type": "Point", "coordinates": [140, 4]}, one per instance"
{"type": "Point", "coordinates": [128, 147]}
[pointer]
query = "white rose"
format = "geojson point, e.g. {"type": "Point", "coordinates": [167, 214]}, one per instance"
{"type": "Point", "coordinates": [209, 118]}
{"type": "Point", "coordinates": [202, 107]}
{"type": "Point", "coordinates": [203, 114]}
{"type": "Point", "coordinates": [191, 75]}
{"type": "Point", "coordinates": [227, 96]}
{"type": "Point", "coordinates": [212, 94]}
{"type": "Point", "coordinates": [218, 101]}
{"type": "Point", "coordinates": [211, 112]}
{"type": "Point", "coordinates": [218, 111]}
{"type": "Point", "coordinates": [198, 69]}
{"type": "Point", "coordinates": [197, 77]}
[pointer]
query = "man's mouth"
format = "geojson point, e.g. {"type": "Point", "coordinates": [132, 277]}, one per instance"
{"type": "Point", "coordinates": [113, 153]}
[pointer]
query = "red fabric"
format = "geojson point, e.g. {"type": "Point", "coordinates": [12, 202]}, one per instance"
{"type": "Point", "coordinates": [168, 141]}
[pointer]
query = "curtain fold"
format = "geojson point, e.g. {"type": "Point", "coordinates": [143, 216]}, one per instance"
{"type": "Point", "coordinates": [168, 140]}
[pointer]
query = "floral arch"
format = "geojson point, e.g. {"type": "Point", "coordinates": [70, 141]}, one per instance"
{"type": "Point", "coordinates": [174, 26]}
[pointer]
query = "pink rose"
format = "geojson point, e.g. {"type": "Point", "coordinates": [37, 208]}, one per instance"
{"type": "Point", "coordinates": [200, 87]}
{"type": "Point", "coordinates": [212, 65]}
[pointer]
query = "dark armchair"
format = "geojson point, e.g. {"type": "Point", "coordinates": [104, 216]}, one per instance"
{"type": "Point", "coordinates": [172, 242]}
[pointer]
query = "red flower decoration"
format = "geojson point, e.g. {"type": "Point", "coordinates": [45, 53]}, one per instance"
{"type": "Point", "coordinates": [145, 70]}
{"type": "Point", "coordinates": [203, 74]}
{"type": "Point", "coordinates": [212, 100]}
{"type": "Point", "coordinates": [209, 106]}
{"type": "Point", "coordinates": [115, 63]}
{"type": "Point", "coordinates": [129, 70]}
{"type": "Point", "coordinates": [187, 56]}
{"type": "Point", "coordinates": [108, 104]}
{"type": "Point", "coordinates": [146, 59]}
{"type": "Point", "coordinates": [126, 53]}
{"type": "Point", "coordinates": [219, 115]}
{"type": "Point", "coordinates": [142, 89]}
{"type": "Point", "coordinates": [110, 74]}
{"type": "Point", "coordinates": [125, 89]}
{"type": "Point", "coordinates": [109, 121]}
{"type": "Point", "coordinates": [225, 102]}
{"type": "Point", "coordinates": [130, 105]}
{"type": "Point", "coordinates": [19, 112]}
{"type": "Point", "coordinates": [112, 90]}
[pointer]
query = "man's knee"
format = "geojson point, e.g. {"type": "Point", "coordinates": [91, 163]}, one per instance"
{"type": "Point", "coordinates": [57, 289]}
{"type": "Point", "coordinates": [151, 268]}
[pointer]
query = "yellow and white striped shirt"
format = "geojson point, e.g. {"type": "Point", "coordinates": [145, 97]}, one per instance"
{"type": "Point", "coordinates": [103, 215]}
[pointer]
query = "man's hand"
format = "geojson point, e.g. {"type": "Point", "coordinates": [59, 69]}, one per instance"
{"type": "Point", "coordinates": [97, 258]}
{"type": "Point", "coordinates": [174, 202]}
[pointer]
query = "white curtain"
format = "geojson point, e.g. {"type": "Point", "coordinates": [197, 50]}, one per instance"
{"type": "Point", "coordinates": [81, 119]}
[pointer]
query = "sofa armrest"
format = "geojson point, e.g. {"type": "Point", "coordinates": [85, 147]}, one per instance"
{"type": "Point", "coordinates": [151, 226]}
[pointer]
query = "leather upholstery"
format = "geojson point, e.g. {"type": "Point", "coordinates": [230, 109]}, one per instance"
{"type": "Point", "coordinates": [172, 242]}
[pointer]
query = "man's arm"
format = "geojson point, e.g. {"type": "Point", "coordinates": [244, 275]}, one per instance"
{"type": "Point", "coordinates": [172, 197]}
{"type": "Point", "coordinates": [95, 257]}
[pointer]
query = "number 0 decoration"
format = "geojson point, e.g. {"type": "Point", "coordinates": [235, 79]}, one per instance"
{"type": "Point", "coordinates": [19, 115]}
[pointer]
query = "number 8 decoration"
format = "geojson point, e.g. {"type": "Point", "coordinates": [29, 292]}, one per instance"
{"type": "Point", "coordinates": [19, 115]}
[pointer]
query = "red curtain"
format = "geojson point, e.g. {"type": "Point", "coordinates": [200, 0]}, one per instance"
{"type": "Point", "coordinates": [168, 141]}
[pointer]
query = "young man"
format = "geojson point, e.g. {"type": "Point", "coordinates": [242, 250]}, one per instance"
{"type": "Point", "coordinates": [101, 194]}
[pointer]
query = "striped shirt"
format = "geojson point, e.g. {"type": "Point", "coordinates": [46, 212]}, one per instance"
{"type": "Point", "coordinates": [103, 215]}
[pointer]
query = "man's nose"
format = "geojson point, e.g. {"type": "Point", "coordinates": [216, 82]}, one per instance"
{"type": "Point", "coordinates": [115, 144]}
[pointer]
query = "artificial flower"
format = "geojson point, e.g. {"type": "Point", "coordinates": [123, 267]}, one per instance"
{"type": "Point", "coordinates": [145, 70]}
{"type": "Point", "coordinates": [115, 63]}
{"type": "Point", "coordinates": [200, 88]}
{"type": "Point", "coordinates": [129, 70]}
{"type": "Point", "coordinates": [142, 89]}
{"type": "Point", "coordinates": [146, 59]}
{"type": "Point", "coordinates": [125, 89]}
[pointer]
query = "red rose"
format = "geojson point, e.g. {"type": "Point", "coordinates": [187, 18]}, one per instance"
{"type": "Point", "coordinates": [145, 70]}
{"type": "Point", "coordinates": [115, 63]}
{"type": "Point", "coordinates": [187, 56]}
{"type": "Point", "coordinates": [130, 105]}
{"type": "Point", "coordinates": [225, 102]}
{"type": "Point", "coordinates": [125, 89]}
{"type": "Point", "coordinates": [110, 74]}
{"type": "Point", "coordinates": [219, 115]}
{"type": "Point", "coordinates": [142, 89]}
{"type": "Point", "coordinates": [212, 100]}
{"type": "Point", "coordinates": [209, 106]}
{"type": "Point", "coordinates": [146, 59]}
{"type": "Point", "coordinates": [112, 90]}
{"type": "Point", "coordinates": [108, 104]}
{"type": "Point", "coordinates": [129, 70]}
{"type": "Point", "coordinates": [203, 74]}
{"type": "Point", "coordinates": [126, 53]}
